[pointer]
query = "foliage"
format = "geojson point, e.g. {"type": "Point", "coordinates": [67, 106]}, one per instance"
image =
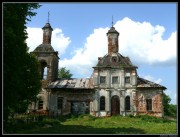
{"type": "Point", "coordinates": [64, 73]}
{"type": "Point", "coordinates": [172, 111]}
{"type": "Point", "coordinates": [169, 109]}
{"type": "Point", "coordinates": [20, 69]}
{"type": "Point", "coordinates": [148, 118]}
{"type": "Point", "coordinates": [87, 124]}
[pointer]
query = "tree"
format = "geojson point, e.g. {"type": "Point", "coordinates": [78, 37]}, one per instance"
{"type": "Point", "coordinates": [169, 109]}
{"type": "Point", "coordinates": [21, 80]}
{"type": "Point", "coordinates": [166, 103]}
{"type": "Point", "coordinates": [64, 73]}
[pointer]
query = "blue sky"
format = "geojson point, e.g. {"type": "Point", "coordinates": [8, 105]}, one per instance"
{"type": "Point", "coordinates": [148, 36]}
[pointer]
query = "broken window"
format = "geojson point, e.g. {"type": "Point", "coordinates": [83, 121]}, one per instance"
{"type": "Point", "coordinates": [102, 103]}
{"type": "Point", "coordinates": [149, 104]}
{"type": "Point", "coordinates": [40, 104]}
{"type": "Point", "coordinates": [127, 103]}
{"type": "Point", "coordinates": [115, 79]}
{"type": "Point", "coordinates": [59, 102]}
{"type": "Point", "coordinates": [102, 79]}
{"type": "Point", "coordinates": [127, 79]}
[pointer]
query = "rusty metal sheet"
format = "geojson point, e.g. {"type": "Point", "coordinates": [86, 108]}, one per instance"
{"type": "Point", "coordinates": [146, 83]}
{"type": "Point", "coordinates": [77, 85]}
{"type": "Point", "coordinates": [80, 83]}
{"type": "Point", "coordinates": [86, 83]}
{"type": "Point", "coordinates": [64, 83]}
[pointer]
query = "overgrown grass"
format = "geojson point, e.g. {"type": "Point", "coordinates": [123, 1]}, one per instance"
{"type": "Point", "coordinates": [87, 124]}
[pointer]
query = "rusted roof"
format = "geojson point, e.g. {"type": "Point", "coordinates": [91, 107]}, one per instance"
{"type": "Point", "coordinates": [73, 83]}
{"type": "Point", "coordinates": [121, 61]}
{"type": "Point", "coordinates": [143, 83]}
{"type": "Point", "coordinates": [112, 30]}
{"type": "Point", "coordinates": [44, 48]}
{"type": "Point", "coordinates": [47, 26]}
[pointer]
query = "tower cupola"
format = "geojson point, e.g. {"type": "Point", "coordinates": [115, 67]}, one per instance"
{"type": "Point", "coordinates": [113, 46]}
{"type": "Point", "coordinates": [47, 32]}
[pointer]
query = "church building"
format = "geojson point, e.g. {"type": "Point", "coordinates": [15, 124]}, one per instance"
{"type": "Point", "coordinates": [114, 87]}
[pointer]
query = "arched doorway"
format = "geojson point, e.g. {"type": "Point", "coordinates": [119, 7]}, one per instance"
{"type": "Point", "coordinates": [115, 105]}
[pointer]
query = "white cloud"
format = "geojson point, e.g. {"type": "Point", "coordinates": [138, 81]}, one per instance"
{"type": "Point", "coordinates": [140, 41]}
{"type": "Point", "coordinates": [143, 43]}
{"type": "Point", "coordinates": [58, 40]}
{"type": "Point", "coordinates": [150, 78]}
{"type": "Point", "coordinates": [86, 57]}
{"type": "Point", "coordinates": [172, 95]}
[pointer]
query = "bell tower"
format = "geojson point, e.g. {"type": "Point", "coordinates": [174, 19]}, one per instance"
{"type": "Point", "coordinates": [113, 46]}
{"type": "Point", "coordinates": [47, 57]}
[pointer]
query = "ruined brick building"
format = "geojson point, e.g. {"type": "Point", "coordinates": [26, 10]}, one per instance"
{"type": "Point", "coordinates": [113, 89]}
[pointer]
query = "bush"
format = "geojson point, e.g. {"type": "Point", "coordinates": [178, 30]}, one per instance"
{"type": "Point", "coordinates": [131, 116]}
{"type": "Point", "coordinates": [148, 118]}
{"type": "Point", "coordinates": [40, 118]}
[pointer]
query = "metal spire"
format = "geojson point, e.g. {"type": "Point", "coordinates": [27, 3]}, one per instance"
{"type": "Point", "coordinates": [48, 16]}
{"type": "Point", "coordinates": [112, 21]}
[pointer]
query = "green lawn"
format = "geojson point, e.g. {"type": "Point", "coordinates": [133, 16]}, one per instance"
{"type": "Point", "coordinates": [86, 124]}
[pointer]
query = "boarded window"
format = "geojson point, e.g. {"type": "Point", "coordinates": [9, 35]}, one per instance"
{"type": "Point", "coordinates": [102, 79]}
{"type": "Point", "coordinates": [59, 103]}
{"type": "Point", "coordinates": [102, 103]}
{"type": "Point", "coordinates": [115, 79]}
{"type": "Point", "coordinates": [127, 79]}
{"type": "Point", "coordinates": [149, 104]}
{"type": "Point", "coordinates": [40, 104]}
{"type": "Point", "coordinates": [127, 103]}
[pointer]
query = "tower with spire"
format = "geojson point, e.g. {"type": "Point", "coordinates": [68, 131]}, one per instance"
{"type": "Point", "coordinates": [47, 56]}
{"type": "Point", "coordinates": [112, 35]}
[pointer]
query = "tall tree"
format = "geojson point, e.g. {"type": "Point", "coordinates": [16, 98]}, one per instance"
{"type": "Point", "coordinates": [166, 104]}
{"type": "Point", "coordinates": [64, 73]}
{"type": "Point", "coordinates": [21, 81]}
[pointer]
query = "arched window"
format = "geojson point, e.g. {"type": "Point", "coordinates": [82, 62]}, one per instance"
{"type": "Point", "coordinates": [102, 103]}
{"type": "Point", "coordinates": [59, 102]}
{"type": "Point", "coordinates": [45, 73]}
{"type": "Point", "coordinates": [149, 104]}
{"type": "Point", "coordinates": [40, 104]}
{"type": "Point", "coordinates": [127, 103]}
{"type": "Point", "coordinates": [43, 69]}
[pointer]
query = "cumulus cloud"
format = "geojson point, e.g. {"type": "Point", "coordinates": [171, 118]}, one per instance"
{"type": "Point", "coordinates": [172, 95]}
{"type": "Point", "coordinates": [58, 40]}
{"type": "Point", "coordinates": [151, 78]}
{"type": "Point", "coordinates": [142, 42]}
{"type": "Point", "coordinates": [86, 57]}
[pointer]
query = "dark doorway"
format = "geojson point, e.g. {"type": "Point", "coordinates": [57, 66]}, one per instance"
{"type": "Point", "coordinates": [115, 105]}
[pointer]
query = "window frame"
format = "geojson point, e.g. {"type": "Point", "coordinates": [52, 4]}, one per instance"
{"type": "Point", "coordinates": [116, 82]}
{"type": "Point", "coordinates": [102, 103]}
{"type": "Point", "coordinates": [100, 81]}
{"type": "Point", "coordinates": [40, 104]}
{"type": "Point", "coordinates": [59, 102]}
{"type": "Point", "coordinates": [129, 81]}
{"type": "Point", "coordinates": [127, 103]}
{"type": "Point", "coordinates": [149, 104]}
